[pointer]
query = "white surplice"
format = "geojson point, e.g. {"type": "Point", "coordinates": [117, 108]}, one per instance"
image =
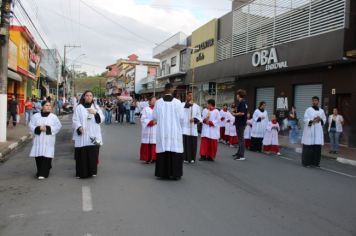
{"type": "Point", "coordinates": [314, 134]}
{"type": "Point", "coordinates": [43, 144]}
{"type": "Point", "coordinates": [188, 127]}
{"type": "Point", "coordinates": [224, 115]}
{"type": "Point", "coordinates": [82, 118]}
{"type": "Point", "coordinates": [148, 134]}
{"type": "Point", "coordinates": [271, 134]}
{"type": "Point", "coordinates": [248, 129]}
{"type": "Point", "coordinates": [259, 128]}
{"type": "Point", "coordinates": [169, 117]}
{"type": "Point", "coordinates": [230, 128]}
{"type": "Point", "coordinates": [212, 132]}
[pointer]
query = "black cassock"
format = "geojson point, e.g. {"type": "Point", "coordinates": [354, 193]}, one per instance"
{"type": "Point", "coordinates": [190, 144]}
{"type": "Point", "coordinates": [311, 155]}
{"type": "Point", "coordinates": [86, 161]}
{"type": "Point", "coordinates": [169, 165]}
{"type": "Point", "coordinates": [256, 144]}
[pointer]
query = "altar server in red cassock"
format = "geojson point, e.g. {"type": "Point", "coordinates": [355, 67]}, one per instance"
{"type": "Point", "coordinates": [148, 133]}
{"type": "Point", "coordinates": [210, 133]}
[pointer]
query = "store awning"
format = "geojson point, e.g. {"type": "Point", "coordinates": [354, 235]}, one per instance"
{"type": "Point", "coordinates": [14, 75]}
{"type": "Point", "coordinates": [178, 74]}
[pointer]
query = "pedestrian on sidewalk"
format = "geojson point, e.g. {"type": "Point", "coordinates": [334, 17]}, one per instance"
{"type": "Point", "coordinates": [127, 105]}
{"type": "Point", "coordinates": [148, 133]}
{"type": "Point", "coordinates": [44, 126]}
{"type": "Point", "coordinates": [132, 112]}
{"type": "Point", "coordinates": [12, 110]}
{"type": "Point", "coordinates": [37, 106]}
{"type": "Point", "coordinates": [28, 110]}
{"type": "Point", "coordinates": [120, 111]}
{"type": "Point", "coordinates": [210, 132]}
{"type": "Point", "coordinates": [335, 129]}
{"type": "Point", "coordinates": [240, 123]}
{"type": "Point", "coordinates": [192, 116]}
{"type": "Point", "coordinates": [247, 133]}
{"type": "Point", "coordinates": [168, 113]}
{"type": "Point", "coordinates": [108, 111]}
{"type": "Point", "coordinates": [293, 126]}
{"type": "Point", "coordinates": [87, 136]}
{"type": "Point", "coordinates": [313, 134]}
{"type": "Point", "coordinates": [270, 140]}
{"type": "Point", "coordinates": [260, 121]}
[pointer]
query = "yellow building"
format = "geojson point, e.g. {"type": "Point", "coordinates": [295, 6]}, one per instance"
{"type": "Point", "coordinates": [24, 64]}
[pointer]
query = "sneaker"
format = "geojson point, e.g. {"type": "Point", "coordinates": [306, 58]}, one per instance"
{"type": "Point", "coordinates": [232, 146]}
{"type": "Point", "coordinates": [41, 177]}
{"type": "Point", "coordinates": [235, 155]}
{"type": "Point", "coordinates": [192, 161]}
{"type": "Point", "coordinates": [93, 175]}
{"type": "Point", "coordinates": [239, 158]}
{"type": "Point", "coordinates": [186, 162]}
{"type": "Point", "coordinates": [278, 153]}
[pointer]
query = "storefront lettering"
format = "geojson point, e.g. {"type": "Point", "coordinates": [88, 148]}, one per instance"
{"type": "Point", "coordinates": [204, 45]}
{"type": "Point", "coordinates": [282, 103]}
{"type": "Point", "coordinates": [200, 57]}
{"type": "Point", "coordinates": [269, 59]}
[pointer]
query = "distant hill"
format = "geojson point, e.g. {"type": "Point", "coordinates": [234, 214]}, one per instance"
{"type": "Point", "coordinates": [91, 83]}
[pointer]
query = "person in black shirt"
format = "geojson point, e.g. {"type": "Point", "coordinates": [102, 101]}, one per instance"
{"type": "Point", "coordinates": [240, 123]}
{"type": "Point", "coordinates": [12, 109]}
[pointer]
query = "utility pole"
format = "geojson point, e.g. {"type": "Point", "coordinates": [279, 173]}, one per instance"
{"type": "Point", "coordinates": [4, 51]}
{"type": "Point", "coordinates": [64, 72]}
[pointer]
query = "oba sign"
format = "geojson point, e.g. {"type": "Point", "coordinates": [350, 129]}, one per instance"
{"type": "Point", "coordinates": [269, 59]}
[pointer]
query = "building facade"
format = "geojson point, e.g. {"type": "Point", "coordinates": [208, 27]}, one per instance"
{"type": "Point", "coordinates": [25, 70]}
{"type": "Point", "coordinates": [285, 53]}
{"type": "Point", "coordinates": [50, 72]}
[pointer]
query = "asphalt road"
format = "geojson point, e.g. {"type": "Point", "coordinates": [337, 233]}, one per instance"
{"type": "Point", "coordinates": [265, 195]}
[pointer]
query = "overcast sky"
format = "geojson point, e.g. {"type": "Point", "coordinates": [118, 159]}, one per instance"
{"type": "Point", "coordinates": [115, 28]}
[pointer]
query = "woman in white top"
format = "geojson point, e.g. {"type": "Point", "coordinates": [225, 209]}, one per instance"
{"type": "Point", "coordinates": [260, 122]}
{"type": "Point", "coordinates": [336, 122]}
{"type": "Point", "coordinates": [44, 126]}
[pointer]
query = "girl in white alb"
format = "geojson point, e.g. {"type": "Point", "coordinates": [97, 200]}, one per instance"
{"type": "Point", "coordinates": [270, 140]}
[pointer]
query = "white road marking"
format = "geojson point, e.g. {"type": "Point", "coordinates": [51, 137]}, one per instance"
{"type": "Point", "coordinates": [17, 216]}
{"type": "Point", "coordinates": [86, 198]}
{"type": "Point", "coordinates": [337, 172]}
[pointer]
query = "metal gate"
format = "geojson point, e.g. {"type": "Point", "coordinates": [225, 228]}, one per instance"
{"type": "Point", "coordinates": [267, 95]}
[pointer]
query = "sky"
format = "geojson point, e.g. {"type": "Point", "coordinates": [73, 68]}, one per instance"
{"type": "Point", "coordinates": [107, 30]}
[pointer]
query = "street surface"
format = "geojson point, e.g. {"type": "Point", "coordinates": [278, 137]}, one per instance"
{"type": "Point", "coordinates": [265, 195]}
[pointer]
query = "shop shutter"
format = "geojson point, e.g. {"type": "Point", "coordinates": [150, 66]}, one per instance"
{"type": "Point", "coordinates": [267, 95]}
{"type": "Point", "coordinates": [302, 98]}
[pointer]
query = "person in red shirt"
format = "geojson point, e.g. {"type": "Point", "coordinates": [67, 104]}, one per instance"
{"type": "Point", "coordinates": [28, 109]}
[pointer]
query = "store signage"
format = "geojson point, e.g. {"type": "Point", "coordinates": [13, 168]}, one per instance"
{"type": "Point", "coordinates": [269, 59]}
{"type": "Point", "coordinates": [207, 44]}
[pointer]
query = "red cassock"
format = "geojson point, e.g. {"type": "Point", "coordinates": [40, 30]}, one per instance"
{"type": "Point", "coordinates": [248, 143]}
{"type": "Point", "coordinates": [222, 134]}
{"type": "Point", "coordinates": [233, 140]}
{"type": "Point", "coordinates": [208, 147]}
{"type": "Point", "coordinates": [271, 148]}
{"type": "Point", "coordinates": [148, 152]}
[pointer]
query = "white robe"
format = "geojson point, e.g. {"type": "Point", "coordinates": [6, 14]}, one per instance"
{"type": "Point", "coordinates": [43, 144]}
{"type": "Point", "coordinates": [148, 134]}
{"type": "Point", "coordinates": [225, 115]}
{"type": "Point", "coordinates": [188, 127]}
{"type": "Point", "coordinates": [169, 116]}
{"type": "Point", "coordinates": [259, 128]}
{"type": "Point", "coordinates": [248, 129]}
{"type": "Point", "coordinates": [271, 134]}
{"type": "Point", "coordinates": [211, 132]}
{"type": "Point", "coordinates": [230, 128]}
{"type": "Point", "coordinates": [91, 128]}
{"type": "Point", "coordinates": [313, 135]}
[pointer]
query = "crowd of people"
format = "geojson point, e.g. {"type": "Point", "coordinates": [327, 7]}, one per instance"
{"type": "Point", "coordinates": [170, 130]}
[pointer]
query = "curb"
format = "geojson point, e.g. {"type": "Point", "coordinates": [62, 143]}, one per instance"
{"type": "Point", "coordinates": [338, 159]}
{"type": "Point", "coordinates": [4, 156]}
{"type": "Point", "coordinates": [346, 161]}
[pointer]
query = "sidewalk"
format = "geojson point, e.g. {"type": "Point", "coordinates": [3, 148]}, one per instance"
{"type": "Point", "coordinates": [16, 136]}
{"type": "Point", "coordinates": [346, 155]}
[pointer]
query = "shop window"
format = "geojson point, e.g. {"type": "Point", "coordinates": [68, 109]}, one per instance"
{"type": "Point", "coordinates": [174, 61]}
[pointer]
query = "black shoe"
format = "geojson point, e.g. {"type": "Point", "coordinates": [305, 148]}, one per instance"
{"type": "Point", "coordinates": [235, 155]}
{"type": "Point", "coordinates": [210, 159]}
{"type": "Point", "coordinates": [239, 158]}
{"type": "Point", "coordinates": [202, 159]}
